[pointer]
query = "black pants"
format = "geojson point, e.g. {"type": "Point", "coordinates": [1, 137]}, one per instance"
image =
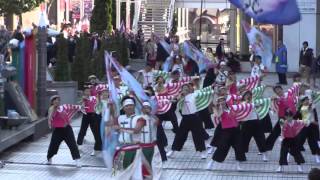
{"type": "Point", "coordinates": [310, 133]}
{"type": "Point", "coordinates": [273, 136]}
{"type": "Point", "coordinates": [63, 134]}
{"type": "Point", "coordinates": [266, 124]}
{"type": "Point", "coordinates": [290, 145]}
{"type": "Point", "coordinates": [282, 78]}
{"type": "Point", "coordinates": [230, 137]}
{"type": "Point", "coordinates": [253, 129]}
{"type": "Point", "coordinates": [171, 116]}
{"type": "Point", "coordinates": [206, 119]}
{"type": "Point", "coordinates": [162, 141]}
{"type": "Point", "coordinates": [193, 124]}
{"type": "Point", "coordinates": [93, 120]}
{"type": "Point", "coordinates": [216, 136]}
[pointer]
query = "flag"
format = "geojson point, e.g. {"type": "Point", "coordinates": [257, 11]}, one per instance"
{"type": "Point", "coordinates": [250, 82]}
{"type": "Point", "coordinates": [257, 92]}
{"type": "Point", "coordinates": [196, 55]}
{"type": "Point", "coordinates": [133, 84]}
{"type": "Point", "coordinates": [281, 12]}
{"type": "Point", "coordinates": [261, 44]}
{"type": "Point", "coordinates": [262, 107]}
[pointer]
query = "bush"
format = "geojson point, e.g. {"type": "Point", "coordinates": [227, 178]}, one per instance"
{"type": "Point", "coordinates": [62, 72]}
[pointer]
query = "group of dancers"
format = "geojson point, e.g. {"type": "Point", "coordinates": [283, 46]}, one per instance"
{"type": "Point", "coordinates": [236, 109]}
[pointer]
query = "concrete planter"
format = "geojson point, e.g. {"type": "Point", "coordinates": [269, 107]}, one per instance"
{"type": "Point", "coordinates": [67, 90]}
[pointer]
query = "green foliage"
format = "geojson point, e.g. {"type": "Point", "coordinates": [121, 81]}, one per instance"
{"type": "Point", "coordinates": [101, 19]}
{"type": "Point", "coordinates": [18, 6]}
{"type": "Point", "coordinates": [62, 65]}
{"type": "Point", "coordinates": [82, 66]}
{"type": "Point", "coordinates": [119, 43]}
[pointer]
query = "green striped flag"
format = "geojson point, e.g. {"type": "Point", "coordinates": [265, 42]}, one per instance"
{"type": "Point", "coordinates": [203, 99]}
{"type": "Point", "coordinates": [262, 107]}
{"type": "Point", "coordinates": [158, 73]}
{"type": "Point", "coordinates": [257, 92]}
{"type": "Point", "coordinates": [315, 97]}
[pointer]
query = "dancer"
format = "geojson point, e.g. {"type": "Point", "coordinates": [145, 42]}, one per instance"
{"type": "Point", "coordinates": [306, 113]}
{"type": "Point", "coordinates": [229, 135]}
{"type": "Point", "coordinates": [92, 119]}
{"type": "Point", "coordinates": [290, 144]}
{"type": "Point", "coordinates": [251, 128]}
{"type": "Point", "coordinates": [59, 119]}
{"type": "Point", "coordinates": [283, 102]}
{"type": "Point", "coordinates": [190, 122]}
{"type": "Point", "coordinates": [136, 132]}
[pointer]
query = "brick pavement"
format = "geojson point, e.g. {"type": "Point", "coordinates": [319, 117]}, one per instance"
{"type": "Point", "coordinates": [27, 161]}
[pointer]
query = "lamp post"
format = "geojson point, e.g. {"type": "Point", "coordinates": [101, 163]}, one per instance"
{"type": "Point", "coordinates": [42, 67]}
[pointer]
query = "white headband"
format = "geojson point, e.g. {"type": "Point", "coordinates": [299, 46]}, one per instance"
{"type": "Point", "coordinates": [146, 104]}
{"type": "Point", "coordinates": [127, 102]}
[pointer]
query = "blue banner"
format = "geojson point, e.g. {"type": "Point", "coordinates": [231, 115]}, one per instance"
{"type": "Point", "coordinates": [281, 12]}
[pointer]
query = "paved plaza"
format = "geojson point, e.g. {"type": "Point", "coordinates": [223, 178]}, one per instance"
{"type": "Point", "coordinates": [26, 161]}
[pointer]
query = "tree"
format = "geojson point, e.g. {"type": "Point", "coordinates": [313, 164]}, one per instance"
{"type": "Point", "coordinates": [18, 7]}
{"type": "Point", "coordinates": [82, 63]}
{"type": "Point", "coordinates": [62, 65]}
{"type": "Point", "coordinates": [101, 19]}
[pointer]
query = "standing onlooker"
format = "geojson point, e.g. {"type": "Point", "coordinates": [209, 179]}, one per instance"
{"type": "Point", "coordinates": [305, 62]}
{"type": "Point", "coordinates": [281, 63]}
{"type": "Point", "coordinates": [151, 51]}
{"type": "Point", "coordinates": [220, 49]}
{"type": "Point", "coordinates": [17, 34]}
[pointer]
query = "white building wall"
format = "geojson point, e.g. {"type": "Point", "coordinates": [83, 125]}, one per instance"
{"type": "Point", "coordinates": [305, 30]}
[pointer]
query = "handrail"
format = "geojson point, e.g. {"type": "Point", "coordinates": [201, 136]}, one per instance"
{"type": "Point", "coordinates": [136, 17]}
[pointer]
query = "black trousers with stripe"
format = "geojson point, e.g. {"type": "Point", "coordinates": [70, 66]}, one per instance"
{"type": "Point", "coordinates": [230, 137]}
{"type": "Point", "coordinates": [273, 136]}
{"type": "Point", "coordinates": [92, 120]}
{"type": "Point", "coordinates": [290, 145]}
{"type": "Point", "coordinates": [190, 123]}
{"type": "Point", "coordinates": [310, 134]}
{"type": "Point", "coordinates": [253, 129]}
{"type": "Point", "coordinates": [63, 134]}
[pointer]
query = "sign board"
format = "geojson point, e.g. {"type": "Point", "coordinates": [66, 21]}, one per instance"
{"type": "Point", "coordinates": [87, 8]}
{"type": "Point", "coordinates": [307, 6]}
{"type": "Point", "coordinates": [75, 8]}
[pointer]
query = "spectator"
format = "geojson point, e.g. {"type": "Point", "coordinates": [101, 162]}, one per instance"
{"type": "Point", "coordinates": [233, 63]}
{"type": "Point", "coordinates": [281, 63]}
{"type": "Point", "coordinates": [151, 51]}
{"type": "Point", "coordinates": [210, 55]}
{"type": "Point", "coordinates": [314, 174]}
{"type": "Point", "coordinates": [220, 49]}
{"type": "Point", "coordinates": [18, 34]}
{"type": "Point", "coordinates": [305, 62]}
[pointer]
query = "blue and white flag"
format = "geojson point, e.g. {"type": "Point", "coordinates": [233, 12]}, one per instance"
{"type": "Point", "coordinates": [282, 12]}
{"type": "Point", "coordinates": [261, 44]}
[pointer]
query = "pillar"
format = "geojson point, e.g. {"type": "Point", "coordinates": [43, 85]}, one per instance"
{"type": "Point", "coordinates": [118, 14]}
{"type": "Point", "coordinates": [244, 43]}
{"type": "Point", "coordinates": [233, 22]}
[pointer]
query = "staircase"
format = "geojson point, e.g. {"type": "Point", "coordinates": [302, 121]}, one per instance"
{"type": "Point", "coordinates": [154, 17]}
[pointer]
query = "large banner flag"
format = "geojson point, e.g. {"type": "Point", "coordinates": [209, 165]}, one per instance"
{"type": "Point", "coordinates": [282, 12]}
{"type": "Point", "coordinates": [196, 55]}
{"type": "Point", "coordinates": [261, 44]}
{"type": "Point", "coordinates": [133, 84]}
